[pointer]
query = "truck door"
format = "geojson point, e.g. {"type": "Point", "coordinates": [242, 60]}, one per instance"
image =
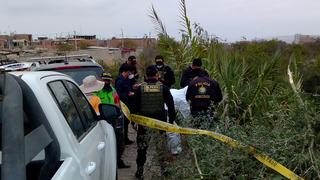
{"type": "Point", "coordinates": [86, 129]}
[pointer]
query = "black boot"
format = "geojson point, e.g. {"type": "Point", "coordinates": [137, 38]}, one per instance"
{"type": "Point", "coordinates": [127, 141]}
{"type": "Point", "coordinates": [164, 172]}
{"type": "Point", "coordinates": [139, 173]}
{"type": "Point", "coordinates": [121, 164]}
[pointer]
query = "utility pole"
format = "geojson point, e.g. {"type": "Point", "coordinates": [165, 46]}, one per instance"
{"type": "Point", "coordinates": [75, 40]}
{"type": "Point", "coordinates": [11, 37]}
{"type": "Point", "coordinates": [122, 43]}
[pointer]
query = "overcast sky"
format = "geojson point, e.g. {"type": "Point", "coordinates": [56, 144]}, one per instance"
{"type": "Point", "coordinates": [228, 19]}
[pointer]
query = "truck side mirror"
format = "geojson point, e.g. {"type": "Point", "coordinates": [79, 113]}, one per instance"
{"type": "Point", "coordinates": [112, 114]}
{"type": "Point", "coordinates": [109, 112]}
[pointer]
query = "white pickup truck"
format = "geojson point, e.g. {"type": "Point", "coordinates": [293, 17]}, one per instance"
{"type": "Point", "coordinates": [50, 131]}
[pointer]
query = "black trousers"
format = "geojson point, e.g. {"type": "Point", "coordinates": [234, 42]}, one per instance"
{"type": "Point", "coordinates": [202, 115]}
{"type": "Point", "coordinates": [196, 112]}
{"type": "Point", "coordinates": [120, 145]}
{"type": "Point", "coordinates": [125, 128]}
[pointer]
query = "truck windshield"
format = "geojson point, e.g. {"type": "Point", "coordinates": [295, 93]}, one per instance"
{"type": "Point", "coordinates": [78, 74]}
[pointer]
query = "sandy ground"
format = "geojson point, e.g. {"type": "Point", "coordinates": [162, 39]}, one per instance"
{"type": "Point", "coordinates": [97, 54]}
{"type": "Point", "coordinates": [129, 157]}
{"type": "Point", "coordinates": [151, 169]}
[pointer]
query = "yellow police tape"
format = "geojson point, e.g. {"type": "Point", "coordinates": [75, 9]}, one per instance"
{"type": "Point", "coordinates": [157, 124]}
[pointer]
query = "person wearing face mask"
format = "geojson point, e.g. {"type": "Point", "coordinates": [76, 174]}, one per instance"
{"type": "Point", "coordinates": [108, 94]}
{"type": "Point", "coordinates": [125, 91]}
{"type": "Point", "coordinates": [150, 99]}
{"type": "Point", "coordinates": [191, 72]}
{"type": "Point", "coordinates": [166, 75]}
{"type": "Point", "coordinates": [132, 60]}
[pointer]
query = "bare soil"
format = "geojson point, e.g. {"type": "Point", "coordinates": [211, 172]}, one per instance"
{"type": "Point", "coordinates": [151, 169]}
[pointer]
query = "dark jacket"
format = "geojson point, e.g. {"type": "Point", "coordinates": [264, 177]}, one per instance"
{"type": "Point", "coordinates": [167, 76]}
{"type": "Point", "coordinates": [167, 98]}
{"type": "Point", "coordinates": [188, 75]}
{"type": "Point", "coordinates": [201, 92]}
{"type": "Point", "coordinates": [123, 87]}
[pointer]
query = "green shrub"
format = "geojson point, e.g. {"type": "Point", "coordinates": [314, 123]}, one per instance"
{"type": "Point", "coordinates": [262, 106]}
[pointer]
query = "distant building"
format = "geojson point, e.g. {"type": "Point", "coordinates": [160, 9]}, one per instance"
{"type": "Point", "coordinates": [61, 38]}
{"type": "Point", "coordinates": [42, 38]}
{"type": "Point", "coordinates": [25, 41]}
{"type": "Point", "coordinates": [86, 37]}
{"type": "Point", "coordinates": [302, 39]}
{"type": "Point", "coordinates": [3, 41]}
{"type": "Point", "coordinates": [78, 41]}
{"type": "Point", "coordinates": [4, 37]}
{"type": "Point", "coordinates": [129, 42]}
{"type": "Point", "coordinates": [20, 43]}
{"type": "Point", "coordinates": [82, 43]}
{"type": "Point", "coordinates": [44, 43]}
{"type": "Point", "coordinates": [15, 41]}
{"type": "Point", "coordinates": [27, 37]}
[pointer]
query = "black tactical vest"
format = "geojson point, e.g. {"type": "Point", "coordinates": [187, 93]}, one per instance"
{"type": "Point", "coordinates": [151, 99]}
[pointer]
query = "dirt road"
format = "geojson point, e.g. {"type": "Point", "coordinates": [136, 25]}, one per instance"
{"type": "Point", "coordinates": [129, 157]}
{"type": "Point", "coordinates": [151, 169]}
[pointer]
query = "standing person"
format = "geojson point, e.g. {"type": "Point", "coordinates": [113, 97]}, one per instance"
{"type": "Point", "coordinates": [166, 75]}
{"type": "Point", "coordinates": [201, 92]}
{"type": "Point", "coordinates": [132, 60]}
{"type": "Point", "coordinates": [90, 86]}
{"type": "Point", "coordinates": [151, 97]}
{"type": "Point", "coordinates": [124, 89]}
{"type": "Point", "coordinates": [108, 95]}
{"type": "Point", "coordinates": [192, 71]}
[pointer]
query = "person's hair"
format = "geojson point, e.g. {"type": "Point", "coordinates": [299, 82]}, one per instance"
{"type": "Point", "coordinates": [159, 57]}
{"type": "Point", "coordinates": [151, 71]}
{"type": "Point", "coordinates": [197, 62]}
{"type": "Point", "coordinates": [131, 58]}
{"type": "Point", "coordinates": [203, 74]}
{"type": "Point", "coordinates": [127, 67]}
